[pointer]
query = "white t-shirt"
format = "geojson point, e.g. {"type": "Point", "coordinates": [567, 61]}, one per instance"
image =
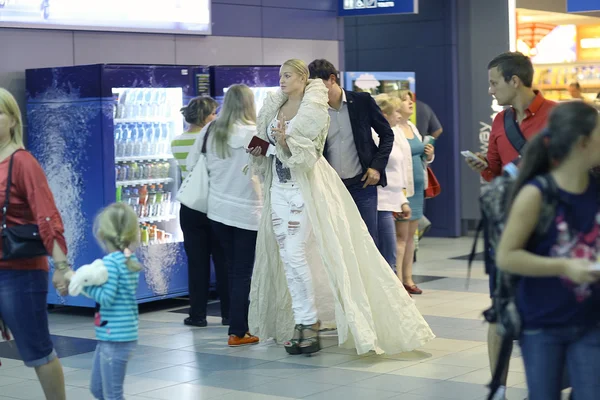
{"type": "Point", "coordinates": [282, 177]}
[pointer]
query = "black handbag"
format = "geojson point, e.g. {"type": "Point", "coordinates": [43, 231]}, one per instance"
{"type": "Point", "coordinates": [19, 241]}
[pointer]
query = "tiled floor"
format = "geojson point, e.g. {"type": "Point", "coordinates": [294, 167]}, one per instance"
{"type": "Point", "coordinates": [175, 362]}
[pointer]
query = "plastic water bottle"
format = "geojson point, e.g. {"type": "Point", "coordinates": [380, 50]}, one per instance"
{"type": "Point", "coordinates": [134, 201]}
{"type": "Point", "coordinates": [139, 102]}
{"type": "Point", "coordinates": [125, 195]}
{"type": "Point", "coordinates": [153, 140]}
{"type": "Point", "coordinates": [160, 148]}
{"type": "Point", "coordinates": [128, 152]}
{"type": "Point", "coordinates": [148, 102]}
{"type": "Point", "coordinates": [154, 103]}
{"type": "Point", "coordinates": [119, 141]}
{"type": "Point", "coordinates": [146, 140]}
{"type": "Point", "coordinates": [162, 103]}
{"type": "Point", "coordinates": [137, 142]}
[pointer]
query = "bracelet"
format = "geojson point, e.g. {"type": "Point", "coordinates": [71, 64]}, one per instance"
{"type": "Point", "coordinates": [62, 265]}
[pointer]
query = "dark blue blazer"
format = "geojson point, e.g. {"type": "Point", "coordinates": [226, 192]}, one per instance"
{"type": "Point", "coordinates": [365, 114]}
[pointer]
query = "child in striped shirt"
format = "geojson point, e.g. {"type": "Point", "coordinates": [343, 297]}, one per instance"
{"type": "Point", "coordinates": [117, 230]}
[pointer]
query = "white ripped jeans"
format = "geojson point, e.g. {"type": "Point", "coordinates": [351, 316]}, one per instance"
{"type": "Point", "coordinates": [292, 228]}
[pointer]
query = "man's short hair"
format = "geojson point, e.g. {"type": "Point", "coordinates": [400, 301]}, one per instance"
{"type": "Point", "coordinates": [514, 64]}
{"type": "Point", "coordinates": [322, 69]}
{"type": "Point", "coordinates": [575, 85]}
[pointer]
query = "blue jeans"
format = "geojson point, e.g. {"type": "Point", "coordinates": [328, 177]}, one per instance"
{"type": "Point", "coordinates": [387, 241]}
{"type": "Point", "coordinates": [109, 367]}
{"type": "Point", "coordinates": [547, 352]}
{"type": "Point", "coordinates": [23, 308]}
{"type": "Point", "coordinates": [366, 201]}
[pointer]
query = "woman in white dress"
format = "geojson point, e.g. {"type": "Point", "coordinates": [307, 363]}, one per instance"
{"type": "Point", "coordinates": [313, 248]}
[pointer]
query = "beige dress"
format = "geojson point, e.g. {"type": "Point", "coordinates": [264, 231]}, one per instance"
{"type": "Point", "coordinates": [354, 286]}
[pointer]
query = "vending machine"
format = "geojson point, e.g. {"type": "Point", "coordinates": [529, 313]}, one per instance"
{"type": "Point", "coordinates": [261, 79]}
{"type": "Point", "coordinates": [102, 134]}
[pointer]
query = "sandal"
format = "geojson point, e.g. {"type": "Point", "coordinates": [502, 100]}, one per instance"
{"type": "Point", "coordinates": [311, 343]}
{"type": "Point", "coordinates": [292, 346]}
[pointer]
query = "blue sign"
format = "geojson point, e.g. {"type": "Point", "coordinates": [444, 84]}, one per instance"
{"type": "Point", "coordinates": [354, 8]}
{"type": "Point", "coordinates": [583, 5]}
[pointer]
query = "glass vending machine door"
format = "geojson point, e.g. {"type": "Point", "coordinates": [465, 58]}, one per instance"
{"type": "Point", "coordinates": [146, 121]}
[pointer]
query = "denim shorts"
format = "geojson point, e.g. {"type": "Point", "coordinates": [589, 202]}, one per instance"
{"type": "Point", "coordinates": [23, 307]}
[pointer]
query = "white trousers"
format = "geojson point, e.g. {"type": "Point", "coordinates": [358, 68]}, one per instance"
{"type": "Point", "coordinates": [292, 229]}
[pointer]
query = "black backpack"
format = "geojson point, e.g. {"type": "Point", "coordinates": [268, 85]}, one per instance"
{"type": "Point", "coordinates": [494, 210]}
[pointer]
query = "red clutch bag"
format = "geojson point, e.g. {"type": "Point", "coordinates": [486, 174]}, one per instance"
{"type": "Point", "coordinates": [258, 142]}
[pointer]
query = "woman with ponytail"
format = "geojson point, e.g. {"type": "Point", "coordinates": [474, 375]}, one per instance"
{"type": "Point", "coordinates": [558, 296]}
{"type": "Point", "coordinates": [199, 241]}
{"type": "Point", "coordinates": [117, 230]}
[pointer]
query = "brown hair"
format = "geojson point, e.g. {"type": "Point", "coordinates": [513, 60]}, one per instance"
{"type": "Point", "coordinates": [198, 109]}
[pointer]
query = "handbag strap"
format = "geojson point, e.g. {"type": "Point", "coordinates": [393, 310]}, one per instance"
{"type": "Point", "coordinates": [513, 131]}
{"type": "Point", "coordinates": [206, 138]}
{"type": "Point", "coordinates": [8, 186]}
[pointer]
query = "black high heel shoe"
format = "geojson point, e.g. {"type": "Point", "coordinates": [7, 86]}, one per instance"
{"type": "Point", "coordinates": [311, 343]}
{"type": "Point", "coordinates": [292, 346]}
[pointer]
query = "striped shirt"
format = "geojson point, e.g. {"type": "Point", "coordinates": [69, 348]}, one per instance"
{"type": "Point", "coordinates": [180, 147]}
{"type": "Point", "coordinates": [117, 300]}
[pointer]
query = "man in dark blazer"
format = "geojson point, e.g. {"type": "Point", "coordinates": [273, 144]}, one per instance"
{"type": "Point", "coordinates": [350, 148]}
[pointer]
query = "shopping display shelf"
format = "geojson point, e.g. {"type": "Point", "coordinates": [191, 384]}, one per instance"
{"type": "Point", "coordinates": [141, 182]}
{"type": "Point", "coordinates": [158, 218]}
{"type": "Point", "coordinates": [157, 157]}
{"type": "Point", "coordinates": [142, 120]}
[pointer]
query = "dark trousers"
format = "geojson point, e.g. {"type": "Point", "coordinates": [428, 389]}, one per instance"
{"type": "Point", "coordinates": [240, 247]}
{"type": "Point", "coordinates": [366, 201]}
{"type": "Point", "coordinates": [200, 243]}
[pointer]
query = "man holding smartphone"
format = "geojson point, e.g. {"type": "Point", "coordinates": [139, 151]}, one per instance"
{"type": "Point", "coordinates": [511, 77]}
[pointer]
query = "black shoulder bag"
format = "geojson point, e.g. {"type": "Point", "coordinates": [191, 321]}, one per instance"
{"type": "Point", "coordinates": [19, 241]}
{"type": "Point", "coordinates": [513, 131]}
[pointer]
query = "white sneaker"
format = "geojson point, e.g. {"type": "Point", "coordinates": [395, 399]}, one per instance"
{"type": "Point", "coordinates": [500, 393]}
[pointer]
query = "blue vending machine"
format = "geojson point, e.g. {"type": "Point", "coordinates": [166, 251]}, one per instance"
{"type": "Point", "coordinates": [261, 79]}
{"type": "Point", "coordinates": [102, 134]}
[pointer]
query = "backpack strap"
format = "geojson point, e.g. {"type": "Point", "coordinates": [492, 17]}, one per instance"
{"type": "Point", "coordinates": [550, 200]}
{"type": "Point", "coordinates": [513, 131]}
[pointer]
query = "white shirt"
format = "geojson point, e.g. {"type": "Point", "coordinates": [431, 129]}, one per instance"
{"type": "Point", "coordinates": [233, 196]}
{"type": "Point", "coordinates": [393, 196]}
{"type": "Point", "coordinates": [282, 177]}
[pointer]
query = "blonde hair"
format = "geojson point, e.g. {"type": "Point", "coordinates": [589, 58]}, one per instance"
{"type": "Point", "coordinates": [404, 93]}
{"type": "Point", "coordinates": [299, 67]}
{"type": "Point", "coordinates": [388, 104]}
{"type": "Point", "coordinates": [117, 228]}
{"type": "Point", "coordinates": [238, 106]}
{"type": "Point", "coordinates": [9, 106]}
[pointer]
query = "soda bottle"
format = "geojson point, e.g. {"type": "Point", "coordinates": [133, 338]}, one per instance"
{"type": "Point", "coordinates": [152, 201]}
{"type": "Point", "coordinates": [134, 201]}
{"type": "Point", "coordinates": [160, 206]}
{"type": "Point", "coordinates": [145, 237]}
{"type": "Point", "coordinates": [143, 192]}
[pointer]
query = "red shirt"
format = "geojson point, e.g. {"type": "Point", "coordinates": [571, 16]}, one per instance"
{"type": "Point", "coordinates": [31, 202]}
{"type": "Point", "coordinates": [500, 150]}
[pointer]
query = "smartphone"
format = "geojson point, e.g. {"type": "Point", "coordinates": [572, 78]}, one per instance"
{"type": "Point", "coordinates": [469, 154]}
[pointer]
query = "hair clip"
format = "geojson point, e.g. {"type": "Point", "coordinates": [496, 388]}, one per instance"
{"type": "Point", "coordinates": [127, 252]}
